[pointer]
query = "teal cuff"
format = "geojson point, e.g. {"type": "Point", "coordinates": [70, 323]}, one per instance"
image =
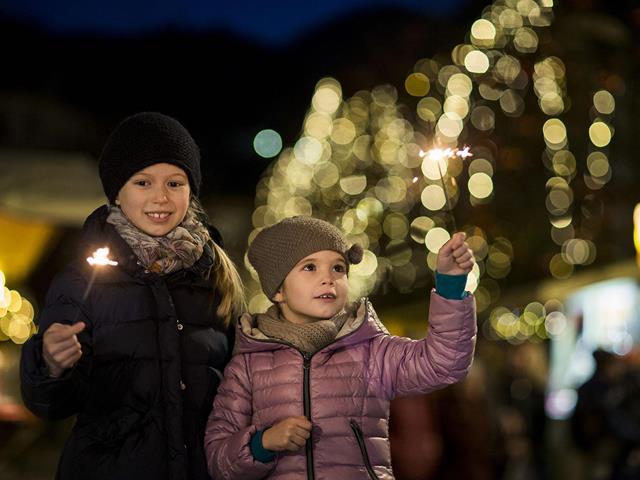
{"type": "Point", "coordinates": [451, 287]}
{"type": "Point", "coordinates": [260, 453]}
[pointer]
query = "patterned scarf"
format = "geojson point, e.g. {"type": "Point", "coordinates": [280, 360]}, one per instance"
{"type": "Point", "coordinates": [178, 249]}
{"type": "Point", "coordinates": [308, 337]}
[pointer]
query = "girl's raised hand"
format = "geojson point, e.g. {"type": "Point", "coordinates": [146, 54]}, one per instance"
{"type": "Point", "coordinates": [60, 347]}
{"type": "Point", "coordinates": [455, 257]}
{"type": "Point", "coordinates": [289, 434]}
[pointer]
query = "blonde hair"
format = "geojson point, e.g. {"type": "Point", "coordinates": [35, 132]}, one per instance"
{"type": "Point", "coordinates": [229, 286]}
{"type": "Point", "coordinates": [227, 282]}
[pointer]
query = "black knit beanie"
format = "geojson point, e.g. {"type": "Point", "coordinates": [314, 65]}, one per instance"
{"type": "Point", "coordinates": [145, 139]}
{"type": "Point", "coordinates": [277, 248]}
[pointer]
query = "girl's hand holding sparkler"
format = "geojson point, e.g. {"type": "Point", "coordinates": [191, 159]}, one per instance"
{"type": "Point", "coordinates": [455, 257]}
{"type": "Point", "coordinates": [61, 348]}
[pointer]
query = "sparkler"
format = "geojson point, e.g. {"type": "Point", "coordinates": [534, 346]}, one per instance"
{"type": "Point", "coordinates": [439, 155]}
{"type": "Point", "coordinates": [99, 258]}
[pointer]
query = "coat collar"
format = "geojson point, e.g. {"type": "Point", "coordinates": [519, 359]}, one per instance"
{"type": "Point", "coordinates": [362, 326]}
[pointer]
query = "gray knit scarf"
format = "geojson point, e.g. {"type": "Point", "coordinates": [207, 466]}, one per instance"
{"type": "Point", "coordinates": [178, 249]}
{"type": "Point", "coordinates": [308, 337]}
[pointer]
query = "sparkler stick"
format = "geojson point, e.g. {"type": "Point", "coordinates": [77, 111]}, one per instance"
{"type": "Point", "coordinates": [99, 258]}
{"type": "Point", "coordinates": [437, 155]}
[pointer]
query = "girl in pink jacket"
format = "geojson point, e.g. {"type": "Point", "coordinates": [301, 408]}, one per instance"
{"type": "Point", "coordinates": [307, 392]}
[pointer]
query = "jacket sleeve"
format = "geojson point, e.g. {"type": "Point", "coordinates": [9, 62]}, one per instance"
{"type": "Point", "coordinates": [229, 429]}
{"type": "Point", "coordinates": [444, 356]}
{"type": "Point", "coordinates": [60, 397]}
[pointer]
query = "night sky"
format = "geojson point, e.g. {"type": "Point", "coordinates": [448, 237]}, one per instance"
{"type": "Point", "coordinates": [272, 22]}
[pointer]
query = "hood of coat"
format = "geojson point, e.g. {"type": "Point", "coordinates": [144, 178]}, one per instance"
{"type": "Point", "coordinates": [362, 325]}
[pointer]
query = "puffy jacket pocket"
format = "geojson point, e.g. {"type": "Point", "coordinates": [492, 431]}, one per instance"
{"type": "Point", "coordinates": [357, 431]}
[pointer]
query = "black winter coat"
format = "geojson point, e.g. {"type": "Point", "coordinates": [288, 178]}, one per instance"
{"type": "Point", "coordinates": [153, 356]}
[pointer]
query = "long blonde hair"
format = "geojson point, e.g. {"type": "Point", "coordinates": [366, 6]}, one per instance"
{"type": "Point", "coordinates": [227, 281]}
{"type": "Point", "coordinates": [229, 286]}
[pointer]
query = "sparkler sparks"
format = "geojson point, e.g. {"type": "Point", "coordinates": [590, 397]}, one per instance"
{"type": "Point", "coordinates": [440, 155]}
{"type": "Point", "coordinates": [99, 258]}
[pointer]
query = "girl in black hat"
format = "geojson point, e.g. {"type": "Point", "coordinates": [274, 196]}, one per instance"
{"type": "Point", "coordinates": [139, 358]}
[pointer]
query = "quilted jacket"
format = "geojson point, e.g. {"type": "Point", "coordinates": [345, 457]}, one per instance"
{"type": "Point", "coordinates": [344, 389]}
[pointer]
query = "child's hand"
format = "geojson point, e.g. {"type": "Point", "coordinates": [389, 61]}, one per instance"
{"type": "Point", "coordinates": [289, 434]}
{"type": "Point", "coordinates": [60, 347]}
{"type": "Point", "coordinates": [455, 257]}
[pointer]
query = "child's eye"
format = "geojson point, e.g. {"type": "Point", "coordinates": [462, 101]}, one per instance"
{"type": "Point", "coordinates": [142, 183]}
{"type": "Point", "coordinates": [309, 267]}
{"type": "Point", "coordinates": [339, 268]}
{"type": "Point", "coordinates": [175, 184]}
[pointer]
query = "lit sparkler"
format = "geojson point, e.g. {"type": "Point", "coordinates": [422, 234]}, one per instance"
{"type": "Point", "coordinates": [99, 258]}
{"type": "Point", "coordinates": [439, 155]}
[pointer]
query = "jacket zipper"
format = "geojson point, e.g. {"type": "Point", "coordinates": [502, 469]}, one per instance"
{"type": "Point", "coordinates": [306, 392]}
{"type": "Point", "coordinates": [306, 395]}
{"type": "Point", "coordinates": [363, 448]}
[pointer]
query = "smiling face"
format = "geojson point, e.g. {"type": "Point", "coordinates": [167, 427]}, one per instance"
{"type": "Point", "coordinates": [316, 288]}
{"type": "Point", "coordinates": [156, 198]}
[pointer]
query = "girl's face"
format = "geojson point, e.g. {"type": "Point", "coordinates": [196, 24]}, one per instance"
{"type": "Point", "coordinates": [315, 289]}
{"type": "Point", "coordinates": [156, 198]}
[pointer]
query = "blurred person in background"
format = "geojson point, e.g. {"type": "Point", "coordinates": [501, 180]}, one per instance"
{"type": "Point", "coordinates": [605, 425]}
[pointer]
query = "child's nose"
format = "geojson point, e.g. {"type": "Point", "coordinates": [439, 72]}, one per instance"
{"type": "Point", "coordinates": [327, 279]}
{"type": "Point", "coordinates": [160, 195]}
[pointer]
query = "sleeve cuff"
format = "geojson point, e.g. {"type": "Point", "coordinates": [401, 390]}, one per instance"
{"type": "Point", "coordinates": [451, 287]}
{"type": "Point", "coordinates": [260, 453]}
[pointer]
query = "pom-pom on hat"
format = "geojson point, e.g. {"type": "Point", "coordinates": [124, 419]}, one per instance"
{"type": "Point", "coordinates": [145, 139]}
{"type": "Point", "coordinates": [277, 248]}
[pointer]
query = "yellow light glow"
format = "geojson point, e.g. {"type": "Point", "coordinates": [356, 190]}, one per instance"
{"type": "Point", "coordinates": [419, 228]}
{"type": "Point", "coordinates": [483, 118]}
{"type": "Point", "coordinates": [598, 164]}
{"type": "Point", "coordinates": [510, 19]}
{"type": "Point", "coordinates": [429, 109]}
{"type": "Point", "coordinates": [476, 62]}
{"type": "Point", "coordinates": [525, 40]}
{"type": "Point", "coordinates": [344, 131]}
{"type": "Point", "coordinates": [327, 97]}
{"type": "Point", "coordinates": [433, 197]}
{"type": "Point", "coordinates": [604, 102]}
{"type": "Point", "coordinates": [507, 68]}
{"type": "Point", "coordinates": [318, 125]}
{"type": "Point", "coordinates": [417, 84]}
{"type": "Point", "coordinates": [511, 103]}
{"type": "Point", "coordinates": [297, 206]}
{"type": "Point", "coordinates": [450, 125]}
{"type": "Point", "coordinates": [457, 105]}
{"type": "Point", "coordinates": [559, 268]}
{"type": "Point", "coordinates": [481, 165]}
{"type": "Point", "coordinates": [555, 133]}
{"type": "Point", "coordinates": [483, 32]}
{"type": "Point", "coordinates": [395, 226]}
{"type": "Point", "coordinates": [600, 134]}
{"type": "Point", "coordinates": [480, 185]}
{"type": "Point", "coordinates": [259, 303]}
{"type": "Point", "coordinates": [564, 163]}
{"type": "Point", "coordinates": [353, 184]}
{"type": "Point", "coordinates": [459, 84]}
{"type": "Point", "coordinates": [435, 239]}
{"type": "Point", "coordinates": [551, 103]}
{"type": "Point", "coordinates": [366, 267]}
{"type": "Point", "coordinates": [308, 150]}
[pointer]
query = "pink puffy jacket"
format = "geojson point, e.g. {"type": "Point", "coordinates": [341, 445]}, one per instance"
{"type": "Point", "coordinates": [344, 389]}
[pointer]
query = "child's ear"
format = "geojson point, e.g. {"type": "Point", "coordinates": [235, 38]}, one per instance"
{"type": "Point", "coordinates": [278, 297]}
